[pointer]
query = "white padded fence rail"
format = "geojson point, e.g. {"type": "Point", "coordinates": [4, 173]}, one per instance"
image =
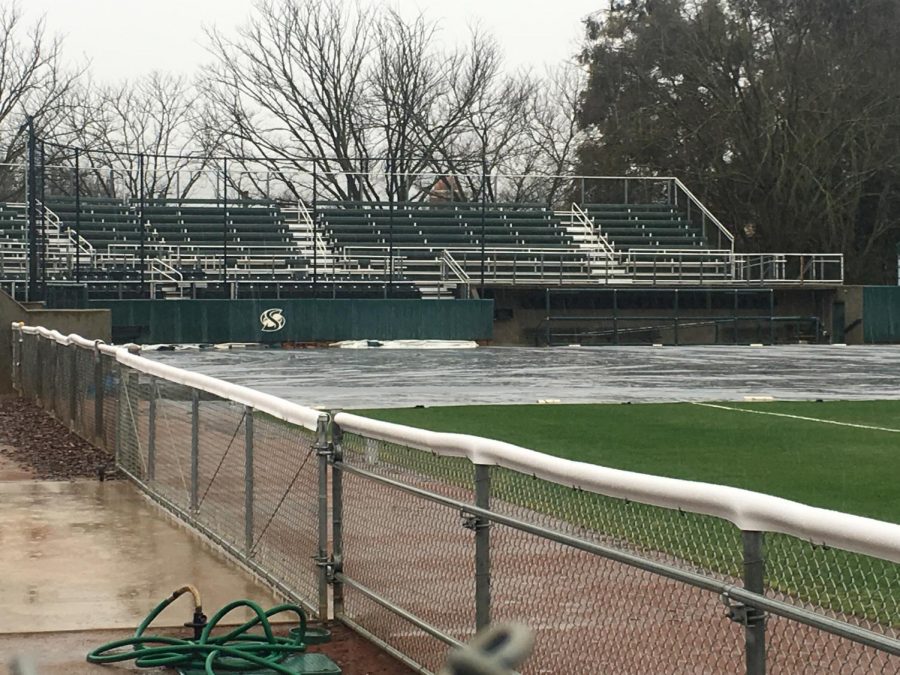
{"type": "Point", "coordinates": [308, 418]}
{"type": "Point", "coordinates": [748, 510]}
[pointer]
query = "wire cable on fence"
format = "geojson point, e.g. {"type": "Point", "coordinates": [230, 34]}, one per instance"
{"type": "Point", "coordinates": [281, 501]}
{"type": "Point", "coordinates": [212, 479]}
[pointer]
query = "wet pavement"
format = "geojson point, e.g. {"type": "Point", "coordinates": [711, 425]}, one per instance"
{"type": "Point", "coordinates": [91, 555]}
{"type": "Point", "coordinates": [389, 378]}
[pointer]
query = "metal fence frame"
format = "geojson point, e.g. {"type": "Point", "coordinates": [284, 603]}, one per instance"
{"type": "Point", "coordinates": [425, 537]}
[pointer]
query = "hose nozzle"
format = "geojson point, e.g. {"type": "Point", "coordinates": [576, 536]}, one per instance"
{"type": "Point", "coordinates": [198, 620]}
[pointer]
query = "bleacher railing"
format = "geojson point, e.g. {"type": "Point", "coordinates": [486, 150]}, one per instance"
{"type": "Point", "coordinates": [415, 538]}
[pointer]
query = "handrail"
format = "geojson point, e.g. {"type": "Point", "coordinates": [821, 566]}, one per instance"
{"type": "Point", "coordinates": [75, 239]}
{"type": "Point", "coordinates": [593, 229]}
{"type": "Point", "coordinates": [318, 242]}
{"type": "Point", "coordinates": [706, 212]}
{"type": "Point", "coordinates": [455, 267]}
{"type": "Point", "coordinates": [746, 509]}
{"type": "Point", "coordinates": [167, 271]}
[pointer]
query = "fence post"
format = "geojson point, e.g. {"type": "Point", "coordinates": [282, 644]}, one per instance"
{"type": "Point", "coordinates": [323, 452]}
{"type": "Point", "coordinates": [151, 431]}
{"type": "Point", "coordinates": [50, 395]}
{"type": "Point", "coordinates": [337, 521]}
{"type": "Point", "coordinates": [755, 625]}
{"type": "Point", "coordinates": [117, 449]}
{"type": "Point", "coordinates": [16, 370]}
{"type": "Point", "coordinates": [248, 480]}
{"type": "Point", "coordinates": [99, 393]}
{"type": "Point", "coordinates": [39, 367]}
{"type": "Point", "coordinates": [482, 548]}
{"type": "Point", "coordinates": [195, 447]}
{"type": "Point", "coordinates": [73, 389]}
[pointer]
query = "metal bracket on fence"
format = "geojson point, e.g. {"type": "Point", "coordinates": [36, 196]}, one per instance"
{"type": "Point", "coordinates": [327, 563]}
{"type": "Point", "coordinates": [745, 615]}
{"type": "Point", "coordinates": [474, 523]}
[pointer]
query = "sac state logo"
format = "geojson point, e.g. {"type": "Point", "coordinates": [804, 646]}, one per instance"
{"type": "Point", "coordinates": [272, 320]}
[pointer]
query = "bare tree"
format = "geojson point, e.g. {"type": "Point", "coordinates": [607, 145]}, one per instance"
{"type": "Point", "coordinates": [364, 100]}
{"type": "Point", "coordinates": [147, 127]}
{"type": "Point", "coordinates": [553, 134]}
{"type": "Point", "coordinates": [32, 83]}
{"type": "Point", "coordinates": [289, 88]}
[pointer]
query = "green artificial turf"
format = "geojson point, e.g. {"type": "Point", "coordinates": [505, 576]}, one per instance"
{"type": "Point", "coordinates": [837, 467]}
{"type": "Point", "coordinates": [844, 468]}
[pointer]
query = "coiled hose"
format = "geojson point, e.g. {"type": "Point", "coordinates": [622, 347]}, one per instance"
{"type": "Point", "coordinates": [239, 649]}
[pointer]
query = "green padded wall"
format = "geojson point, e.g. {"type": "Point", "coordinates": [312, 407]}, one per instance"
{"type": "Point", "coordinates": [305, 320]}
{"type": "Point", "coordinates": [881, 314]}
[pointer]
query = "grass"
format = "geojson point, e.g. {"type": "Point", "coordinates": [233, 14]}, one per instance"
{"type": "Point", "coordinates": [836, 467]}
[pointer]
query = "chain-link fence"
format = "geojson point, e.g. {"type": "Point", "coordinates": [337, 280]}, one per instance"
{"type": "Point", "coordinates": [436, 535]}
{"type": "Point", "coordinates": [247, 474]}
{"type": "Point", "coordinates": [423, 538]}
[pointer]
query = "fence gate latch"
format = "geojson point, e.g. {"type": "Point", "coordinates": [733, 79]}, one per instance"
{"type": "Point", "coordinates": [741, 613]}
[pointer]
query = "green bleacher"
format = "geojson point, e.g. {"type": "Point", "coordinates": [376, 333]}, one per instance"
{"type": "Point", "coordinates": [436, 227]}
{"type": "Point", "coordinates": [645, 226]}
{"type": "Point", "coordinates": [205, 222]}
{"type": "Point", "coordinates": [12, 222]}
{"type": "Point", "coordinates": [104, 222]}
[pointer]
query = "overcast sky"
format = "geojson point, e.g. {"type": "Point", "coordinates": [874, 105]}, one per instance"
{"type": "Point", "coordinates": [125, 38]}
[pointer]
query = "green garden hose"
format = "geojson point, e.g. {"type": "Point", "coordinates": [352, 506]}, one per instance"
{"type": "Point", "coordinates": [238, 649]}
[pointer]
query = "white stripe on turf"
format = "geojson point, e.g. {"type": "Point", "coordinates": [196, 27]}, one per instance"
{"type": "Point", "coordinates": [796, 417]}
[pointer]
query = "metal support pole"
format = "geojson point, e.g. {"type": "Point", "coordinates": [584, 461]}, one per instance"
{"type": "Point", "coordinates": [225, 293]}
{"type": "Point", "coordinates": [771, 316]}
{"type": "Point", "coordinates": [17, 346]}
{"type": "Point", "coordinates": [195, 447]}
{"type": "Point", "coordinates": [98, 399]}
{"type": "Point", "coordinates": [315, 224]}
{"type": "Point", "coordinates": [43, 215]}
{"type": "Point", "coordinates": [248, 480]}
{"type": "Point", "coordinates": [39, 376]}
{"type": "Point", "coordinates": [73, 390]}
{"type": "Point", "coordinates": [31, 198]}
{"type": "Point", "coordinates": [141, 228]}
{"type": "Point", "coordinates": [755, 620]}
{"type": "Point", "coordinates": [482, 548]}
{"type": "Point", "coordinates": [390, 288]}
{"type": "Point", "coordinates": [547, 328]}
{"type": "Point", "coordinates": [337, 522]}
{"type": "Point", "coordinates": [50, 395]}
{"type": "Point", "coordinates": [323, 452]}
{"type": "Point", "coordinates": [120, 408]}
{"type": "Point", "coordinates": [151, 432]}
{"type": "Point", "coordinates": [675, 319]}
{"type": "Point", "coordinates": [734, 317]}
{"type": "Point", "coordinates": [77, 216]}
{"type": "Point", "coordinates": [615, 307]}
{"type": "Point", "coordinates": [483, 229]}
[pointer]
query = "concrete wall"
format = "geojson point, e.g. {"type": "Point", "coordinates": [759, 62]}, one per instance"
{"type": "Point", "coordinates": [93, 324]}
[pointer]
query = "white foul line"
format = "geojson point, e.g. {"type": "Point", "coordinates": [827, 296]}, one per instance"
{"type": "Point", "coordinates": [797, 417]}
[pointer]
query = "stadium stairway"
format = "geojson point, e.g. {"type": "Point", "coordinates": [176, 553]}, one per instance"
{"type": "Point", "coordinates": [652, 242]}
